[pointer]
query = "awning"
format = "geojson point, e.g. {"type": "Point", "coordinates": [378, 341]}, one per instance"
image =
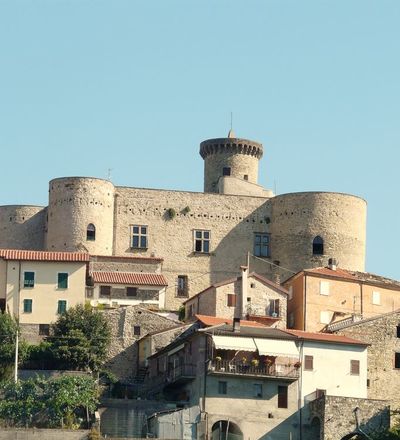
{"type": "Point", "coordinates": [234, 343]}
{"type": "Point", "coordinates": [274, 347]}
{"type": "Point", "coordinates": [176, 349]}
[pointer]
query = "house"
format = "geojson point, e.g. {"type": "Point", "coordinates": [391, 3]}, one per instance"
{"type": "Point", "coordinates": [255, 381]}
{"type": "Point", "coordinates": [250, 296]}
{"type": "Point", "coordinates": [36, 286]}
{"type": "Point", "coordinates": [382, 333]}
{"type": "Point", "coordinates": [321, 296]}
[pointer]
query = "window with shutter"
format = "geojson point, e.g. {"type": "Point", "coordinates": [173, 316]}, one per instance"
{"type": "Point", "coordinates": [231, 300]}
{"type": "Point", "coordinates": [282, 396]}
{"type": "Point", "coordinates": [308, 363]}
{"type": "Point", "coordinates": [355, 367]}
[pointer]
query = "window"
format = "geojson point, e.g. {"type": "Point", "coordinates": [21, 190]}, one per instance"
{"type": "Point", "coordinates": [44, 329]}
{"type": "Point", "coordinates": [257, 390]}
{"type": "Point", "coordinates": [130, 291]}
{"type": "Point", "coordinates": [398, 331]}
{"type": "Point", "coordinates": [355, 367]}
{"type": "Point", "coordinates": [222, 387]}
{"type": "Point", "coordinates": [290, 290]}
{"type": "Point", "coordinates": [376, 298]}
{"type": "Point", "coordinates": [273, 309]}
{"type": "Point", "coordinates": [202, 241]}
{"type": "Point", "coordinates": [190, 311]}
{"type": "Point", "coordinates": [325, 317]}
{"type": "Point", "coordinates": [226, 171]}
{"type": "Point", "coordinates": [324, 288]}
{"type": "Point", "coordinates": [261, 245]}
{"type": "Point", "coordinates": [91, 232]}
{"type": "Point", "coordinates": [246, 177]}
{"type": "Point", "coordinates": [282, 396]}
{"type": "Point", "coordinates": [62, 306]}
{"type": "Point", "coordinates": [308, 363]}
{"type": "Point", "coordinates": [29, 279]}
{"type": "Point", "coordinates": [318, 246]}
{"type": "Point", "coordinates": [182, 285]}
{"type": "Point", "coordinates": [139, 237]}
{"type": "Point", "coordinates": [397, 360]}
{"type": "Point", "coordinates": [231, 300]}
{"type": "Point", "coordinates": [105, 291]}
{"type": "Point", "coordinates": [136, 330]}
{"type": "Point", "coordinates": [27, 306]}
{"type": "Point", "coordinates": [62, 282]}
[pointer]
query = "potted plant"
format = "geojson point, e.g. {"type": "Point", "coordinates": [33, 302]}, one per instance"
{"type": "Point", "coordinates": [255, 363]}
{"type": "Point", "coordinates": [244, 360]}
{"type": "Point", "coordinates": [218, 358]}
{"type": "Point", "coordinates": [297, 365]}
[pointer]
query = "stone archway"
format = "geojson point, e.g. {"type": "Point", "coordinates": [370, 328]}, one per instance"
{"type": "Point", "coordinates": [226, 430]}
{"type": "Point", "coordinates": [315, 429]}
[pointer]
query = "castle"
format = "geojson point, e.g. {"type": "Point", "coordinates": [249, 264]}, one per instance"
{"type": "Point", "coordinates": [203, 237]}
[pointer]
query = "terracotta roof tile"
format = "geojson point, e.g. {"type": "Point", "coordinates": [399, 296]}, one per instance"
{"type": "Point", "coordinates": [16, 254]}
{"type": "Point", "coordinates": [133, 278]}
{"type": "Point", "coordinates": [324, 337]}
{"type": "Point", "coordinates": [215, 320]}
{"type": "Point", "coordinates": [340, 273]}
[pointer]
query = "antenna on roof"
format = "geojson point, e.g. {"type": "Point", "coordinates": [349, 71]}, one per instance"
{"type": "Point", "coordinates": [109, 174]}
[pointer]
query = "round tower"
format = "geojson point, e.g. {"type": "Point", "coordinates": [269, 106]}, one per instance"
{"type": "Point", "coordinates": [81, 215]}
{"type": "Point", "coordinates": [229, 156]}
{"type": "Point", "coordinates": [309, 228]}
{"type": "Point", "coordinates": [22, 227]}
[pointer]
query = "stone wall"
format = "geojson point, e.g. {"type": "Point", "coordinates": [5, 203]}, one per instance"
{"type": "Point", "coordinates": [22, 227]}
{"type": "Point", "coordinates": [42, 434]}
{"type": "Point", "coordinates": [123, 353]}
{"type": "Point", "coordinates": [336, 416]}
{"type": "Point", "coordinates": [381, 333]}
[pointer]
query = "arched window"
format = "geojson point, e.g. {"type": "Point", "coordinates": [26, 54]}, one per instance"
{"type": "Point", "coordinates": [318, 246]}
{"type": "Point", "coordinates": [91, 232]}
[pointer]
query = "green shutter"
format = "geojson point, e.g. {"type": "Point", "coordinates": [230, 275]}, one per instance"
{"type": "Point", "coordinates": [27, 306]}
{"type": "Point", "coordinates": [29, 279]}
{"type": "Point", "coordinates": [62, 307]}
{"type": "Point", "coordinates": [63, 281]}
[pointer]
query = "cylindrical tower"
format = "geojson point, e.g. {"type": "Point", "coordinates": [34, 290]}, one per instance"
{"type": "Point", "coordinates": [81, 215]}
{"type": "Point", "coordinates": [309, 228]}
{"type": "Point", "coordinates": [229, 156]}
{"type": "Point", "coordinates": [22, 227]}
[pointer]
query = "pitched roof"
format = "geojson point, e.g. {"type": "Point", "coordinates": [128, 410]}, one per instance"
{"type": "Point", "coordinates": [255, 275]}
{"type": "Point", "coordinates": [215, 320]}
{"type": "Point", "coordinates": [17, 254]}
{"type": "Point", "coordinates": [366, 320]}
{"type": "Point", "coordinates": [324, 337]}
{"type": "Point", "coordinates": [134, 278]}
{"type": "Point", "coordinates": [350, 275]}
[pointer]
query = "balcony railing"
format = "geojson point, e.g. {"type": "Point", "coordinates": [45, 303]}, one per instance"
{"type": "Point", "coordinates": [239, 368]}
{"type": "Point", "coordinates": [181, 373]}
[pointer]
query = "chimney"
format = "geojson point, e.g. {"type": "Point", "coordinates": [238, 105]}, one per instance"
{"type": "Point", "coordinates": [243, 292]}
{"type": "Point", "coordinates": [236, 325]}
{"type": "Point", "coordinates": [332, 263]}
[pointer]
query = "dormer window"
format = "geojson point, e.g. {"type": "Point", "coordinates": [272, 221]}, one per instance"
{"type": "Point", "coordinates": [91, 232]}
{"type": "Point", "coordinates": [318, 246]}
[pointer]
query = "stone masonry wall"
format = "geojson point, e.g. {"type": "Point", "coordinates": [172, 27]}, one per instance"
{"type": "Point", "coordinates": [337, 417]}
{"type": "Point", "coordinates": [381, 333]}
{"type": "Point", "coordinates": [123, 353]}
{"type": "Point", "coordinates": [42, 434]}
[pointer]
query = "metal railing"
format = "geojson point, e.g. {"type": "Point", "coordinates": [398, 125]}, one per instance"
{"type": "Point", "coordinates": [240, 368]}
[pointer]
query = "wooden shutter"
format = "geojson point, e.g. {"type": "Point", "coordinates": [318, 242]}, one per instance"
{"type": "Point", "coordinates": [231, 300]}
{"type": "Point", "coordinates": [355, 367]}
{"type": "Point", "coordinates": [282, 396]}
{"type": "Point", "coordinates": [308, 362]}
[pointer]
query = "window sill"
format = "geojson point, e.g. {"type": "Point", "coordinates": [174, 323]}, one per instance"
{"type": "Point", "coordinates": [202, 253]}
{"type": "Point", "coordinates": [139, 248]}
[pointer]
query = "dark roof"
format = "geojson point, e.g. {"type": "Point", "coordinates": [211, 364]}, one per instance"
{"type": "Point", "coordinates": [254, 332]}
{"type": "Point", "coordinates": [210, 321]}
{"type": "Point", "coordinates": [324, 337]}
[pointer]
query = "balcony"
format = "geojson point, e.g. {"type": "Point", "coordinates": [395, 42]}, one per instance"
{"type": "Point", "coordinates": [174, 377]}
{"type": "Point", "coordinates": [273, 371]}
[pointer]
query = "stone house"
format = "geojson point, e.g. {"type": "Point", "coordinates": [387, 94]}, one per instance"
{"type": "Point", "coordinates": [254, 381]}
{"type": "Point", "coordinates": [128, 325]}
{"type": "Point", "coordinates": [321, 296]}
{"type": "Point", "coordinates": [248, 296]}
{"type": "Point", "coordinates": [382, 333]}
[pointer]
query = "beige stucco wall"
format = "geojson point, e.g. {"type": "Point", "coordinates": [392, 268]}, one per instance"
{"type": "Point", "coordinates": [345, 296]}
{"type": "Point", "coordinates": [3, 278]}
{"type": "Point", "coordinates": [45, 293]}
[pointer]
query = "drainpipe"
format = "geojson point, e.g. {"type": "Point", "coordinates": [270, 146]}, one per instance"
{"type": "Point", "coordinates": [243, 292]}
{"type": "Point", "coordinates": [361, 296]}
{"type": "Point", "coordinates": [300, 394]}
{"type": "Point", "coordinates": [16, 336]}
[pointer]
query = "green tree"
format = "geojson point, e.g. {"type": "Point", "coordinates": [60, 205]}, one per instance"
{"type": "Point", "coordinates": [8, 332]}
{"type": "Point", "coordinates": [81, 338]}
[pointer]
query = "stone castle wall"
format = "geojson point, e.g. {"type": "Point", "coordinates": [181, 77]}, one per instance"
{"type": "Point", "coordinates": [297, 218]}
{"type": "Point", "coordinates": [22, 227]}
{"type": "Point", "coordinates": [74, 203]}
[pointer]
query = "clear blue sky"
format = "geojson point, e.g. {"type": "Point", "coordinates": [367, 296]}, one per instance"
{"type": "Point", "coordinates": [88, 85]}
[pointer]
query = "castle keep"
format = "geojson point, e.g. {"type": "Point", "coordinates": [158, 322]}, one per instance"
{"type": "Point", "coordinates": [202, 237]}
